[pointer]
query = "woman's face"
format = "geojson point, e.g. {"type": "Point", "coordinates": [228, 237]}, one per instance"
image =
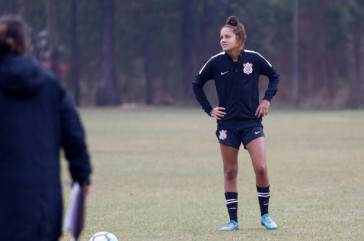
{"type": "Point", "coordinates": [228, 39]}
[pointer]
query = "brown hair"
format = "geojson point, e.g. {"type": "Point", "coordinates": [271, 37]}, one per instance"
{"type": "Point", "coordinates": [233, 23]}
{"type": "Point", "coordinates": [14, 38]}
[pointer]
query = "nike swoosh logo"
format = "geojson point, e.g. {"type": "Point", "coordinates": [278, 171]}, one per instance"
{"type": "Point", "coordinates": [257, 132]}
{"type": "Point", "coordinates": [222, 73]}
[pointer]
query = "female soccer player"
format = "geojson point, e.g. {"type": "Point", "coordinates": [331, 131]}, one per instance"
{"type": "Point", "coordinates": [37, 118]}
{"type": "Point", "coordinates": [239, 115]}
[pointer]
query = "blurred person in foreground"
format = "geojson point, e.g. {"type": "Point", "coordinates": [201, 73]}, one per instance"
{"type": "Point", "coordinates": [239, 115]}
{"type": "Point", "coordinates": [37, 118]}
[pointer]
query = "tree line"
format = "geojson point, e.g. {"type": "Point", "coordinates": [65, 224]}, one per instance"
{"type": "Point", "coordinates": [148, 51]}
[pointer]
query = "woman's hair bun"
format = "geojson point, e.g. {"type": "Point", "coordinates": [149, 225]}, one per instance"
{"type": "Point", "coordinates": [14, 38]}
{"type": "Point", "coordinates": [233, 21]}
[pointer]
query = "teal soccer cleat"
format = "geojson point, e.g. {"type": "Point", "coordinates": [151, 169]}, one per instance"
{"type": "Point", "coordinates": [268, 222]}
{"type": "Point", "coordinates": [230, 226]}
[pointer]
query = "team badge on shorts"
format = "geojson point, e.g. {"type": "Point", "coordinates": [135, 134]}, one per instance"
{"type": "Point", "coordinates": [248, 68]}
{"type": "Point", "coordinates": [222, 134]}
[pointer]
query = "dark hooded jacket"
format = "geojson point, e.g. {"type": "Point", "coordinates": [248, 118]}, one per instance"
{"type": "Point", "coordinates": [37, 118]}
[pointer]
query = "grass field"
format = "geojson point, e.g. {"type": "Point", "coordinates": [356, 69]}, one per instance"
{"type": "Point", "coordinates": [158, 176]}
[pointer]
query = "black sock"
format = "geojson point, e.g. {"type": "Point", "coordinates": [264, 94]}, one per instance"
{"type": "Point", "coordinates": [232, 205]}
{"type": "Point", "coordinates": [263, 197]}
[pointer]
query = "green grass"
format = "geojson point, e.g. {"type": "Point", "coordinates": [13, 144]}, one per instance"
{"type": "Point", "coordinates": [158, 176]}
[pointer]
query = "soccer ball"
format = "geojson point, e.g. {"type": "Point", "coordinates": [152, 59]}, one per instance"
{"type": "Point", "coordinates": [103, 236]}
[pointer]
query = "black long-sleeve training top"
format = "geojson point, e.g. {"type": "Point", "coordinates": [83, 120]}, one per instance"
{"type": "Point", "coordinates": [237, 87]}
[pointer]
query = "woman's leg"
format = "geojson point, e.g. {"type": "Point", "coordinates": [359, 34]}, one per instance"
{"type": "Point", "coordinates": [256, 149]}
{"type": "Point", "coordinates": [257, 153]}
{"type": "Point", "coordinates": [230, 162]}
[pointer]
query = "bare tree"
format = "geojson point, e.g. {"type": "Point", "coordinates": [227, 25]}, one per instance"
{"type": "Point", "coordinates": [108, 89]}
{"type": "Point", "coordinates": [295, 53]}
{"type": "Point", "coordinates": [361, 68]}
{"type": "Point", "coordinates": [75, 67]}
{"type": "Point", "coordinates": [186, 42]}
{"type": "Point", "coordinates": [147, 70]}
{"type": "Point", "coordinates": [53, 35]}
{"type": "Point", "coordinates": [352, 70]}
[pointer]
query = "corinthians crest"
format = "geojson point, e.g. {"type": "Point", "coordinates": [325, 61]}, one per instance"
{"type": "Point", "coordinates": [222, 135]}
{"type": "Point", "coordinates": [248, 68]}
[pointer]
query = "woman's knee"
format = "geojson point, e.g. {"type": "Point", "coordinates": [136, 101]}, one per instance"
{"type": "Point", "coordinates": [261, 170]}
{"type": "Point", "coordinates": [231, 173]}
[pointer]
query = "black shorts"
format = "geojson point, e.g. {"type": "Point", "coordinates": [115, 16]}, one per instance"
{"type": "Point", "coordinates": [234, 137]}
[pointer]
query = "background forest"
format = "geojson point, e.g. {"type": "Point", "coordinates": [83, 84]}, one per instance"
{"type": "Point", "coordinates": [115, 52]}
